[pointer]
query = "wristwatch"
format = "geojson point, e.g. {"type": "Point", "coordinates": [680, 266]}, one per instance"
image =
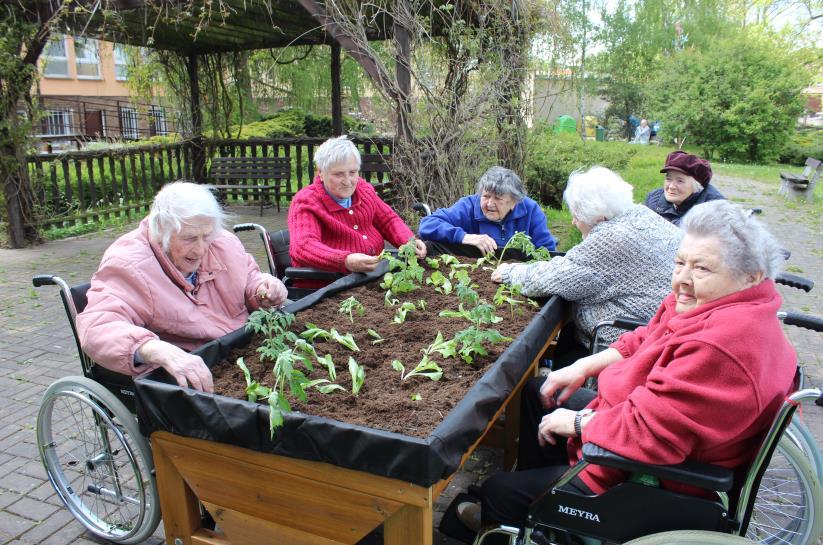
{"type": "Point", "coordinates": [578, 417]}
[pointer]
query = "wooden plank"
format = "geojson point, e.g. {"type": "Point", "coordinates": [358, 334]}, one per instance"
{"type": "Point", "coordinates": [409, 526]}
{"type": "Point", "coordinates": [181, 516]}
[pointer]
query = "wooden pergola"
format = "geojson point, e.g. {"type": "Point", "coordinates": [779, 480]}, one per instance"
{"type": "Point", "coordinates": [256, 24]}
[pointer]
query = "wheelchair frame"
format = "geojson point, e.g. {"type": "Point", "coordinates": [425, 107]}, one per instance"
{"type": "Point", "coordinates": [94, 455]}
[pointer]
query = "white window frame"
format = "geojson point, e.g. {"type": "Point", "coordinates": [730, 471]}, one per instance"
{"type": "Point", "coordinates": [128, 122]}
{"type": "Point", "coordinates": [58, 122]}
{"type": "Point", "coordinates": [51, 59]}
{"type": "Point", "coordinates": [158, 120]}
{"type": "Point", "coordinates": [90, 49]}
{"type": "Point", "coordinates": [121, 63]}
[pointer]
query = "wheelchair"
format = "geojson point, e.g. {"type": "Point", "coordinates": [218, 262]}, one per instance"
{"type": "Point", "coordinates": [94, 455]}
{"type": "Point", "coordinates": [778, 500]}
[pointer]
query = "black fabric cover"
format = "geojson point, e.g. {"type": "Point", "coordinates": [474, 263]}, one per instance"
{"type": "Point", "coordinates": [163, 405]}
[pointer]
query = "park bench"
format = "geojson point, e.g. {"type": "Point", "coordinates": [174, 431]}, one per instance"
{"type": "Point", "coordinates": [379, 165]}
{"type": "Point", "coordinates": [796, 185]}
{"type": "Point", "coordinates": [259, 174]}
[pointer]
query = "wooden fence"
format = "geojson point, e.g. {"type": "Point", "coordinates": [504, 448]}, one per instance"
{"type": "Point", "coordinates": [87, 186]}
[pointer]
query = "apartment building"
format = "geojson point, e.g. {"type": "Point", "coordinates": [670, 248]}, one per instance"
{"type": "Point", "coordinates": [83, 96]}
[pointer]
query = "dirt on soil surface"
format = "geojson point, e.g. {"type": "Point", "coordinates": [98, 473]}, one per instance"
{"type": "Point", "coordinates": [385, 401]}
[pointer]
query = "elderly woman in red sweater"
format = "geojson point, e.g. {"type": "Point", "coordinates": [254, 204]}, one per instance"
{"type": "Point", "coordinates": [702, 381]}
{"type": "Point", "coordinates": [338, 223]}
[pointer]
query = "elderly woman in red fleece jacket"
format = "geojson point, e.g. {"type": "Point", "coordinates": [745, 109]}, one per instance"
{"type": "Point", "coordinates": [338, 223]}
{"type": "Point", "coordinates": [702, 381]}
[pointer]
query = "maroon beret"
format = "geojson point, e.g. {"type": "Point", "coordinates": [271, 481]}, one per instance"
{"type": "Point", "coordinates": [691, 165]}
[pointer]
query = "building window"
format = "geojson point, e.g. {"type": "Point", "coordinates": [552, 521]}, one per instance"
{"type": "Point", "coordinates": [87, 58]}
{"type": "Point", "coordinates": [57, 64]}
{"type": "Point", "coordinates": [128, 122]}
{"type": "Point", "coordinates": [157, 121]}
{"type": "Point", "coordinates": [121, 62]}
{"type": "Point", "coordinates": [57, 122]}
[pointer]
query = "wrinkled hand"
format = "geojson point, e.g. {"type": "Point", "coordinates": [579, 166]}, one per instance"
{"type": "Point", "coordinates": [361, 262]}
{"type": "Point", "coordinates": [420, 248]}
{"type": "Point", "coordinates": [484, 243]}
{"type": "Point", "coordinates": [497, 275]}
{"type": "Point", "coordinates": [270, 292]}
{"type": "Point", "coordinates": [557, 422]}
{"type": "Point", "coordinates": [561, 384]}
{"type": "Point", "coordinates": [184, 367]}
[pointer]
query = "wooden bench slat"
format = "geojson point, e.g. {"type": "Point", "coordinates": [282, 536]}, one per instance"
{"type": "Point", "coordinates": [252, 170]}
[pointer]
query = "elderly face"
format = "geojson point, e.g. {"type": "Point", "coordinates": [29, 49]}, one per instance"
{"type": "Point", "coordinates": [678, 186]}
{"type": "Point", "coordinates": [187, 248]}
{"type": "Point", "coordinates": [494, 206]}
{"type": "Point", "coordinates": [340, 179]}
{"type": "Point", "coordinates": [700, 275]}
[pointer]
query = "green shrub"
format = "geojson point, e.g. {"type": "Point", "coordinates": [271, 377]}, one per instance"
{"type": "Point", "coordinates": [551, 158]}
{"type": "Point", "coordinates": [294, 122]}
{"type": "Point", "coordinates": [803, 144]}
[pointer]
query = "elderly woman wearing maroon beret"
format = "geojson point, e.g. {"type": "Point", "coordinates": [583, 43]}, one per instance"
{"type": "Point", "coordinates": [686, 184]}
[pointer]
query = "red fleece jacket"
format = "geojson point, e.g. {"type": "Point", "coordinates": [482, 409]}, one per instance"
{"type": "Point", "coordinates": [702, 385]}
{"type": "Point", "coordinates": [323, 233]}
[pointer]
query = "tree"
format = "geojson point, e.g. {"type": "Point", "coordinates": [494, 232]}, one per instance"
{"type": "Point", "coordinates": [738, 99]}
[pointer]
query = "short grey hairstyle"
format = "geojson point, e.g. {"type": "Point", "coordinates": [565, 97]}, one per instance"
{"type": "Point", "coordinates": [501, 181]}
{"type": "Point", "coordinates": [334, 151]}
{"type": "Point", "coordinates": [746, 246]}
{"type": "Point", "coordinates": [178, 203]}
{"type": "Point", "coordinates": [597, 194]}
{"type": "Point", "coordinates": [696, 186]}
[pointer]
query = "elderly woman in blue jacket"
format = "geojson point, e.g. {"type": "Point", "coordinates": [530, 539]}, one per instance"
{"type": "Point", "coordinates": [483, 222]}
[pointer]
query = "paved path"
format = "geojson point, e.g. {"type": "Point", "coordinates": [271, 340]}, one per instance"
{"type": "Point", "coordinates": [36, 348]}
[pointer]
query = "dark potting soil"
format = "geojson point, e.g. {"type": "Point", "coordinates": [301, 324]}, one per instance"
{"type": "Point", "coordinates": [385, 401]}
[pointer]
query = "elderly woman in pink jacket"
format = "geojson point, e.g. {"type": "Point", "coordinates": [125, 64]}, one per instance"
{"type": "Point", "coordinates": [177, 281]}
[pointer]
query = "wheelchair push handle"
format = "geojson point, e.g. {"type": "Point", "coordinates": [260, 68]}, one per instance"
{"type": "Point", "coordinates": [44, 280]}
{"type": "Point", "coordinates": [244, 227]}
{"type": "Point", "coordinates": [794, 281]}
{"type": "Point", "coordinates": [807, 321]}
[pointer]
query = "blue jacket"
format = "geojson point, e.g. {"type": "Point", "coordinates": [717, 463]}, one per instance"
{"type": "Point", "coordinates": [465, 217]}
{"type": "Point", "coordinates": [656, 200]}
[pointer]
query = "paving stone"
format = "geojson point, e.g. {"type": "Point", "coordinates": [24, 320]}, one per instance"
{"type": "Point", "coordinates": [51, 525]}
{"type": "Point", "coordinates": [12, 525]}
{"type": "Point", "coordinates": [32, 509]}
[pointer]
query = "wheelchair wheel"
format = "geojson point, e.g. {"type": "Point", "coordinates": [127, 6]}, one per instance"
{"type": "Point", "coordinates": [789, 502]}
{"type": "Point", "coordinates": [690, 537]}
{"type": "Point", "coordinates": [802, 436]}
{"type": "Point", "coordinates": [97, 460]}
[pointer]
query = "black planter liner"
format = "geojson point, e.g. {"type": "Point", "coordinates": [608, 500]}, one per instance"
{"type": "Point", "coordinates": [163, 405]}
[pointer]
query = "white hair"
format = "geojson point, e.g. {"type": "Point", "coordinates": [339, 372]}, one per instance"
{"type": "Point", "coordinates": [501, 181]}
{"type": "Point", "coordinates": [178, 203]}
{"type": "Point", "coordinates": [746, 246]}
{"type": "Point", "coordinates": [334, 151]}
{"type": "Point", "coordinates": [597, 194]}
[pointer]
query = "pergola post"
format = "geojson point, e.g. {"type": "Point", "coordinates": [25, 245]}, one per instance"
{"type": "Point", "coordinates": [403, 75]}
{"type": "Point", "coordinates": [198, 152]}
{"type": "Point", "coordinates": [336, 100]}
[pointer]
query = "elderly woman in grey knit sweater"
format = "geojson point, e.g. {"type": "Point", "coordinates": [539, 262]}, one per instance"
{"type": "Point", "coordinates": [623, 266]}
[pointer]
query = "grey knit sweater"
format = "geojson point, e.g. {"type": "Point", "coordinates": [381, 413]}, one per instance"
{"type": "Point", "coordinates": [622, 269]}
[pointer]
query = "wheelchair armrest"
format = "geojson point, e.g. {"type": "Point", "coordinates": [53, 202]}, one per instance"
{"type": "Point", "coordinates": [697, 474]}
{"type": "Point", "coordinates": [556, 254]}
{"type": "Point", "coordinates": [794, 281]}
{"type": "Point", "coordinates": [422, 208]}
{"type": "Point", "coordinates": [308, 273]}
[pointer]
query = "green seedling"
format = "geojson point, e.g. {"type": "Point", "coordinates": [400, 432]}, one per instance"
{"type": "Point", "coordinates": [421, 304]}
{"type": "Point", "coordinates": [323, 386]}
{"type": "Point", "coordinates": [471, 342]}
{"type": "Point", "coordinates": [358, 376]}
{"type": "Point", "coordinates": [273, 326]}
{"type": "Point", "coordinates": [432, 263]}
{"type": "Point", "coordinates": [346, 340]}
{"type": "Point", "coordinates": [416, 397]}
{"type": "Point", "coordinates": [376, 336]}
{"type": "Point", "coordinates": [254, 390]}
{"type": "Point", "coordinates": [509, 295]}
{"type": "Point", "coordinates": [402, 312]}
{"type": "Point", "coordinates": [405, 273]}
{"type": "Point", "coordinates": [351, 306]}
{"type": "Point", "coordinates": [426, 368]}
{"type": "Point", "coordinates": [389, 300]}
{"type": "Point", "coordinates": [312, 333]}
{"type": "Point", "coordinates": [327, 362]}
{"type": "Point", "coordinates": [441, 283]}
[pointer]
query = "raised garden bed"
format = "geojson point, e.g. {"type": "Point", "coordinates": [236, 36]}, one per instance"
{"type": "Point", "coordinates": [416, 430]}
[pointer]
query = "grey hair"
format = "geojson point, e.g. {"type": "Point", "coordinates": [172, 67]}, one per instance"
{"type": "Point", "coordinates": [697, 187]}
{"type": "Point", "coordinates": [597, 194]}
{"type": "Point", "coordinates": [746, 246]}
{"type": "Point", "coordinates": [178, 203]}
{"type": "Point", "coordinates": [334, 151]}
{"type": "Point", "coordinates": [501, 181]}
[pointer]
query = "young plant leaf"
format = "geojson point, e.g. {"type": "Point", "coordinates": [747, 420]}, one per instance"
{"type": "Point", "coordinates": [376, 336]}
{"type": "Point", "coordinates": [358, 376]}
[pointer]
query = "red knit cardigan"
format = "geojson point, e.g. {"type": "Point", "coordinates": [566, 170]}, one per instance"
{"type": "Point", "coordinates": [323, 233]}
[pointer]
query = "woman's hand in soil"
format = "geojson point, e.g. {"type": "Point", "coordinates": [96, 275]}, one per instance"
{"type": "Point", "coordinates": [419, 248]}
{"type": "Point", "coordinates": [361, 262]}
{"type": "Point", "coordinates": [484, 243]}
{"type": "Point", "coordinates": [497, 275]}
{"type": "Point", "coordinates": [271, 292]}
{"type": "Point", "coordinates": [557, 422]}
{"type": "Point", "coordinates": [561, 384]}
{"type": "Point", "coordinates": [184, 367]}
